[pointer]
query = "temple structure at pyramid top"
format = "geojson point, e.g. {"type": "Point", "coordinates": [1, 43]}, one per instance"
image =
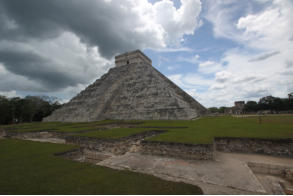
{"type": "Point", "coordinates": [132, 57]}
{"type": "Point", "coordinates": [133, 89]}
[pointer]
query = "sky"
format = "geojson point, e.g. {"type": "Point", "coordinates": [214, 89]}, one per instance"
{"type": "Point", "coordinates": [218, 51]}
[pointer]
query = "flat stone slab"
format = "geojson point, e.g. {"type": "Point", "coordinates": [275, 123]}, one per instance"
{"type": "Point", "coordinates": [50, 140]}
{"type": "Point", "coordinates": [225, 173]}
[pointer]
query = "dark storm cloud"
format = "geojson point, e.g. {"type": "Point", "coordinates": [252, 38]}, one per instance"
{"type": "Point", "coordinates": [264, 56]}
{"type": "Point", "coordinates": [97, 23]}
{"type": "Point", "coordinates": [36, 68]}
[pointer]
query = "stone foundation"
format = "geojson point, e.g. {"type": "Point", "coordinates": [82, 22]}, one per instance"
{"type": "Point", "coordinates": [100, 145]}
{"type": "Point", "coordinates": [83, 155]}
{"type": "Point", "coordinates": [33, 135]}
{"type": "Point", "coordinates": [178, 150]}
{"type": "Point", "coordinates": [274, 147]}
{"type": "Point", "coordinates": [115, 146]}
{"type": "Point", "coordinates": [137, 143]}
{"type": "Point", "coordinates": [276, 170]}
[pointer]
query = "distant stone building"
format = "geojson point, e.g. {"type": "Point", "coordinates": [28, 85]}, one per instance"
{"type": "Point", "coordinates": [238, 108]}
{"type": "Point", "coordinates": [133, 89]}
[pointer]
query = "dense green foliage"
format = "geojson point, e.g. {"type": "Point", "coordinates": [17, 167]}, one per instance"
{"type": "Point", "coordinates": [28, 109]}
{"type": "Point", "coordinates": [31, 168]}
{"type": "Point", "coordinates": [271, 103]}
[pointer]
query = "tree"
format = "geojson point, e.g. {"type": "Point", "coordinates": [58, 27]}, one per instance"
{"type": "Point", "coordinates": [222, 109]}
{"type": "Point", "coordinates": [28, 109]}
{"type": "Point", "coordinates": [251, 106]}
{"type": "Point", "coordinates": [5, 111]}
{"type": "Point", "coordinates": [213, 109]}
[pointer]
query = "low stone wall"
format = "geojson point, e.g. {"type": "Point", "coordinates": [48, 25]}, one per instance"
{"type": "Point", "coordinates": [275, 147]}
{"type": "Point", "coordinates": [30, 135]}
{"type": "Point", "coordinates": [178, 150]}
{"type": "Point", "coordinates": [101, 145]}
{"type": "Point", "coordinates": [136, 143]}
{"type": "Point", "coordinates": [115, 146]}
{"type": "Point", "coordinates": [277, 170]}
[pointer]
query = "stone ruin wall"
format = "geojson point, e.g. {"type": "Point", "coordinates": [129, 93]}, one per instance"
{"type": "Point", "coordinates": [34, 135]}
{"type": "Point", "coordinates": [274, 147]}
{"type": "Point", "coordinates": [276, 170]}
{"type": "Point", "coordinates": [281, 147]}
{"type": "Point", "coordinates": [115, 146]}
{"type": "Point", "coordinates": [178, 150]}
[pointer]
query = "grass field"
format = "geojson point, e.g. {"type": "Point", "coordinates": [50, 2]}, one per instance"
{"type": "Point", "coordinates": [114, 133]}
{"type": "Point", "coordinates": [197, 131]}
{"type": "Point", "coordinates": [31, 168]}
{"type": "Point", "coordinates": [205, 129]}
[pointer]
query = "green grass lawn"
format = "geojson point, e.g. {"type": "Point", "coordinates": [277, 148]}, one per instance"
{"type": "Point", "coordinates": [31, 168]}
{"type": "Point", "coordinates": [55, 126]}
{"type": "Point", "coordinates": [114, 133]}
{"type": "Point", "coordinates": [205, 129]}
{"type": "Point", "coordinates": [198, 131]}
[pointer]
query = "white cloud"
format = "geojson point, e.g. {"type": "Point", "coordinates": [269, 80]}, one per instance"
{"type": "Point", "coordinates": [194, 59]}
{"type": "Point", "coordinates": [177, 22]}
{"type": "Point", "coordinates": [209, 67]}
{"type": "Point", "coordinates": [222, 76]}
{"type": "Point", "coordinates": [262, 66]}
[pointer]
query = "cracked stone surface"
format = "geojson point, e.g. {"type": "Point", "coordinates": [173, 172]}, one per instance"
{"type": "Point", "coordinates": [133, 91]}
{"type": "Point", "coordinates": [229, 174]}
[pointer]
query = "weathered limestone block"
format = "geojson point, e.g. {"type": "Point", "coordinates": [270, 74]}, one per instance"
{"type": "Point", "coordinates": [36, 135]}
{"type": "Point", "coordinates": [115, 146]}
{"type": "Point", "coordinates": [275, 147]}
{"type": "Point", "coordinates": [178, 150]}
{"type": "Point", "coordinates": [100, 145]}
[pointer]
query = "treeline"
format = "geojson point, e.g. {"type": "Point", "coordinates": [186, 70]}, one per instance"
{"type": "Point", "coordinates": [269, 103]}
{"type": "Point", "coordinates": [274, 104]}
{"type": "Point", "coordinates": [28, 109]}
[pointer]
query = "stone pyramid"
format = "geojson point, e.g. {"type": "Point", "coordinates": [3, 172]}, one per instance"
{"type": "Point", "coordinates": [134, 89]}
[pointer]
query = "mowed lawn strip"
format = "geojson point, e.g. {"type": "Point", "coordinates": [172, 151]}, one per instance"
{"type": "Point", "coordinates": [204, 130]}
{"type": "Point", "coordinates": [201, 131]}
{"type": "Point", "coordinates": [114, 133]}
{"type": "Point", "coordinates": [54, 126]}
{"type": "Point", "coordinates": [31, 168]}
